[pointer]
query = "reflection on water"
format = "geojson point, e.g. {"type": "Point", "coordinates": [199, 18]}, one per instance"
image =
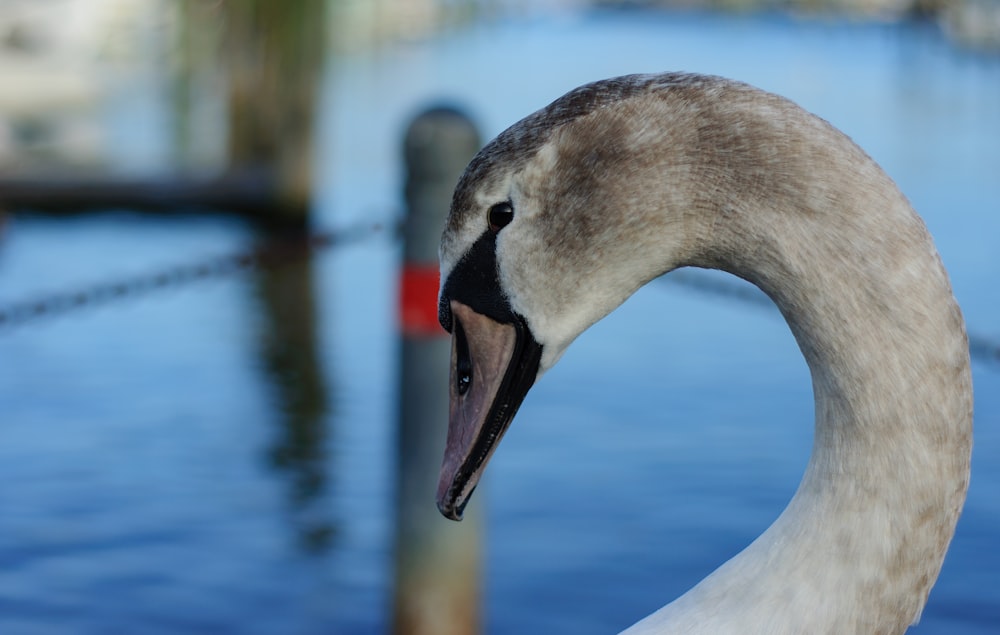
{"type": "Point", "coordinates": [290, 353]}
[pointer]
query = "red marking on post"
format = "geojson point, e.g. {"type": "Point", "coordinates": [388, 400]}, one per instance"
{"type": "Point", "coordinates": [418, 310]}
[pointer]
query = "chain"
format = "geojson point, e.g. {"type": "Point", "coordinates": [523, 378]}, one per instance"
{"type": "Point", "coordinates": [719, 287]}
{"type": "Point", "coordinates": [981, 349]}
{"type": "Point", "coordinates": [273, 253]}
{"type": "Point", "coordinates": [279, 251]}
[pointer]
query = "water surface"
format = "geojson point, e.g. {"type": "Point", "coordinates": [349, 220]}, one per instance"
{"type": "Point", "coordinates": [215, 458]}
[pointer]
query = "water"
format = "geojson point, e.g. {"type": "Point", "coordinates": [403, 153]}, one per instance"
{"type": "Point", "coordinates": [214, 459]}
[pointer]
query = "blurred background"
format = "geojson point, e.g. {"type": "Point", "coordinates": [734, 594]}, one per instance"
{"type": "Point", "coordinates": [201, 348]}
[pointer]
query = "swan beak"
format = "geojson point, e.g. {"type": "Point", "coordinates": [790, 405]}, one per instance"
{"type": "Point", "coordinates": [493, 365]}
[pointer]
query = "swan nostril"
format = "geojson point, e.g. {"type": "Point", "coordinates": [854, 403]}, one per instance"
{"type": "Point", "coordinates": [463, 361]}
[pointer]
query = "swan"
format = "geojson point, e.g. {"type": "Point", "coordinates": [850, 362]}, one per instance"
{"type": "Point", "coordinates": [566, 213]}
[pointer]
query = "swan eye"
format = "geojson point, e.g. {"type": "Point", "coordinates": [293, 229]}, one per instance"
{"type": "Point", "coordinates": [500, 216]}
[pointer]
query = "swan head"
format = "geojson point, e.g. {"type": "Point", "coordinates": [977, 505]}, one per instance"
{"type": "Point", "coordinates": [543, 239]}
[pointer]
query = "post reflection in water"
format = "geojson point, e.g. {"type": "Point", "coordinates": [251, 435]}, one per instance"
{"type": "Point", "coordinates": [289, 355]}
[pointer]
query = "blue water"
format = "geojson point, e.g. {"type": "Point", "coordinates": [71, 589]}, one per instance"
{"type": "Point", "coordinates": [201, 461]}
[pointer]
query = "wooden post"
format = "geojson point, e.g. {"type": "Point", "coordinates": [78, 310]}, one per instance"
{"type": "Point", "coordinates": [273, 53]}
{"type": "Point", "coordinates": [437, 561]}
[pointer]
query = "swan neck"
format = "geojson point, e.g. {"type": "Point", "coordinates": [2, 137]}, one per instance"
{"type": "Point", "coordinates": [863, 539]}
